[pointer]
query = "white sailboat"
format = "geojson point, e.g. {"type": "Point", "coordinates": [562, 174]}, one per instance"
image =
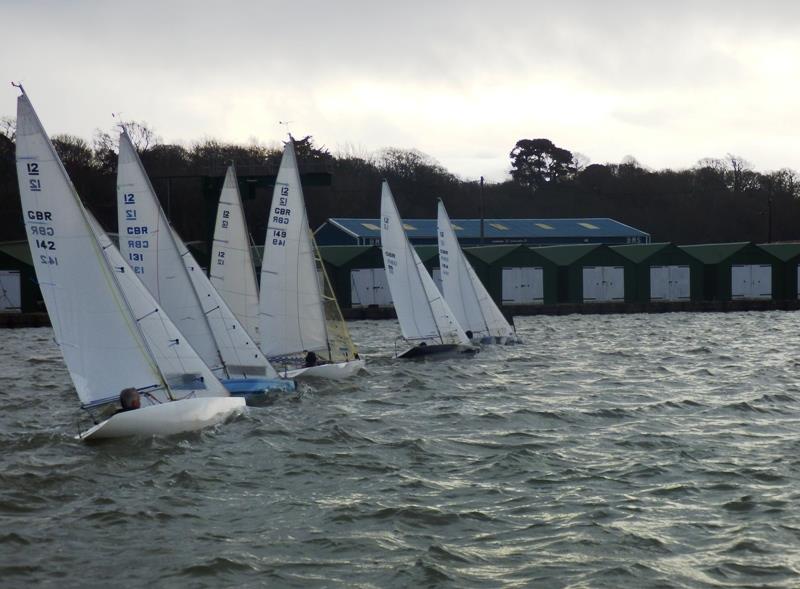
{"type": "Point", "coordinates": [426, 320]}
{"type": "Point", "coordinates": [111, 332]}
{"type": "Point", "coordinates": [302, 329]}
{"type": "Point", "coordinates": [231, 269]}
{"type": "Point", "coordinates": [166, 267]}
{"type": "Point", "coordinates": [471, 304]}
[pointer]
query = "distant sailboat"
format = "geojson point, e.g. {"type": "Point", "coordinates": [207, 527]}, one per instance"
{"type": "Point", "coordinates": [472, 305]}
{"type": "Point", "coordinates": [231, 269]}
{"type": "Point", "coordinates": [166, 267]}
{"type": "Point", "coordinates": [425, 318]}
{"type": "Point", "coordinates": [111, 332]}
{"type": "Point", "coordinates": [302, 329]}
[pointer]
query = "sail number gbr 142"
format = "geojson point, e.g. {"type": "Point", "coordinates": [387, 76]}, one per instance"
{"type": "Point", "coordinates": [42, 232]}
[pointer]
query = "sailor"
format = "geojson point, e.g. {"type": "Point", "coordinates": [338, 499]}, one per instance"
{"type": "Point", "coordinates": [311, 359]}
{"type": "Point", "coordinates": [129, 399]}
{"type": "Point", "coordinates": [468, 334]}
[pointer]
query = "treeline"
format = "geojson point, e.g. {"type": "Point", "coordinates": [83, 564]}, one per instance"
{"type": "Point", "coordinates": [717, 200]}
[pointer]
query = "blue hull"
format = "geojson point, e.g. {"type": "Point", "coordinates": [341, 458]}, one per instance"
{"type": "Point", "coordinates": [244, 387]}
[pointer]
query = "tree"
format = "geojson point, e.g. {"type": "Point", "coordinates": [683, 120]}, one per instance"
{"type": "Point", "coordinates": [538, 162]}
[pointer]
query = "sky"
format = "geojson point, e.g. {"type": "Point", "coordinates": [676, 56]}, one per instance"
{"type": "Point", "coordinates": [667, 83]}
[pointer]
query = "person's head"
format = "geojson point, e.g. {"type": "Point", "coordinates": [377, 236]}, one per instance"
{"type": "Point", "coordinates": [129, 399]}
{"type": "Point", "coordinates": [469, 334]}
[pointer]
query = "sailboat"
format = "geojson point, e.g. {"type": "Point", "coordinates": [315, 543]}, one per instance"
{"type": "Point", "coordinates": [111, 332]}
{"type": "Point", "coordinates": [231, 269]}
{"type": "Point", "coordinates": [426, 320]}
{"type": "Point", "coordinates": [302, 329]}
{"type": "Point", "coordinates": [165, 266]}
{"type": "Point", "coordinates": [471, 304]}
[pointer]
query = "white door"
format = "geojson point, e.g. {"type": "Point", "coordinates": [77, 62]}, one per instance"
{"type": "Point", "coordinates": [762, 281]}
{"type": "Point", "coordinates": [523, 286]}
{"type": "Point", "coordinates": [361, 292]}
{"type": "Point", "coordinates": [669, 283]}
{"type": "Point", "coordinates": [511, 285]}
{"type": "Point", "coordinates": [751, 281]}
{"type": "Point", "coordinates": [798, 281]}
{"type": "Point", "coordinates": [614, 283]}
{"type": "Point", "coordinates": [603, 283]}
{"type": "Point", "coordinates": [592, 284]}
{"type": "Point", "coordinates": [10, 291]}
{"type": "Point", "coordinates": [680, 283]}
{"type": "Point", "coordinates": [368, 286]}
{"type": "Point", "coordinates": [380, 288]}
{"type": "Point", "coordinates": [659, 283]}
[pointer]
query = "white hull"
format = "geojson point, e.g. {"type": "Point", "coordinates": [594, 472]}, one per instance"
{"type": "Point", "coordinates": [337, 371]}
{"type": "Point", "coordinates": [167, 418]}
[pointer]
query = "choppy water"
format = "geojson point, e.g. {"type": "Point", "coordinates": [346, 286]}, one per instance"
{"type": "Point", "coordinates": [607, 451]}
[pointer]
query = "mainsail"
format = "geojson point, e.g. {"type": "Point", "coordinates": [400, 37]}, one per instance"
{"type": "Point", "coordinates": [472, 305]}
{"type": "Point", "coordinates": [231, 268]}
{"type": "Point", "coordinates": [421, 310]}
{"type": "Point", "coordinates": [111, 332]}
{"type": "Point", "coordinates": [299, 312]}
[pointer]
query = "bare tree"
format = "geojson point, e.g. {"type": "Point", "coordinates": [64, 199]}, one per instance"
{"type": "Point", "coordinates": [8, 127]}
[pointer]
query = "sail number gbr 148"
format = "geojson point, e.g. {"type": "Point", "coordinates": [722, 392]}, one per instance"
{"type": "Point", "coordinates": [281, 216]}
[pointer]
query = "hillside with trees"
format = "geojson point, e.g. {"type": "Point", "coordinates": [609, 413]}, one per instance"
{"type": "Point", "coordinates": [717, 200]}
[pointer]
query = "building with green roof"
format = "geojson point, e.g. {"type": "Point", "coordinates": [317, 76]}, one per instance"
{"type": "Point", "coordinates": [737, 271]}
{"type": "Point", "coordinates": [515, 274]}
{"type": "Point", "coordinates": [789, 255]}
{"type": "Point", "coordinates": [589, 273]}
{"type": "Point", "coordinates": [663, 272]}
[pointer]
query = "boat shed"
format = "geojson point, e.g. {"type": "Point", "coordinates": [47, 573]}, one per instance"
{"type": "Point", "coordinates": [735, 271]}
{"type": "Point", "coordinates": [19, 289]}
{"type": "Point", "coordinates": [357, 275]}
{"type": "Point", "coordinates": [789, 255]}
{"type": "Point", "coordinates": [515, 274]}
{"type": "Point", "coordinates": [663, 272]}
{"type": "Point", "coordinates": [591, 273]}
{"type": "Point", "coordinates": [473, 232]}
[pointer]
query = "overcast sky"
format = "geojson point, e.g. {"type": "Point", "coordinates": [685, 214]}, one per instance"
{"type": "Point", "coordinates": [666, 82]}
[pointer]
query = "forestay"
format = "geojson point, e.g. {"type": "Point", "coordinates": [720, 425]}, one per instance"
{"type": "Point", "coordinates": [472, 305]}
{"type": "Point", "coordinates": [231, 268]}
{"type": "Point", "coordinates": [421, 310]}
{"type": "Point", "coordinates": [110, 331]}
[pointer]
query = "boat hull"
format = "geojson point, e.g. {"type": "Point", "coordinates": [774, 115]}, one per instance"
{"type": "Point", "coordinates": [438, 351]}
{"type": "Point", "coordinates": [166, 419]}
{"type": "Point", "coordinates": [333, 371]}
{"type": "Point", "coordinates": [243, 387]}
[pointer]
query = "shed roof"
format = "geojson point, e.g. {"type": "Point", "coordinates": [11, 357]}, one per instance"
{"type": "Point", "coordinates": [338, 255]}
{"type": "Point", "coordinates": [427, 252]}
{"type": "Point", "coordinates": [564, 255]}
{"type": "Point", "coordinates": [497, 228]}
{"type": "Point", "coordinates": [19, 250]}
{"type": "Point", "coordinates": [638, 253]}
{"type": "Point", "coordinates": [783, 251]}
{"type": "Point", "coordinates": [714, 253]}
{"type": "Point", "coordinates": [491, 253]}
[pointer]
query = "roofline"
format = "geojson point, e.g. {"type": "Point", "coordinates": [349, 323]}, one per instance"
{"type": "Point", "coordinates": [345, 229]}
